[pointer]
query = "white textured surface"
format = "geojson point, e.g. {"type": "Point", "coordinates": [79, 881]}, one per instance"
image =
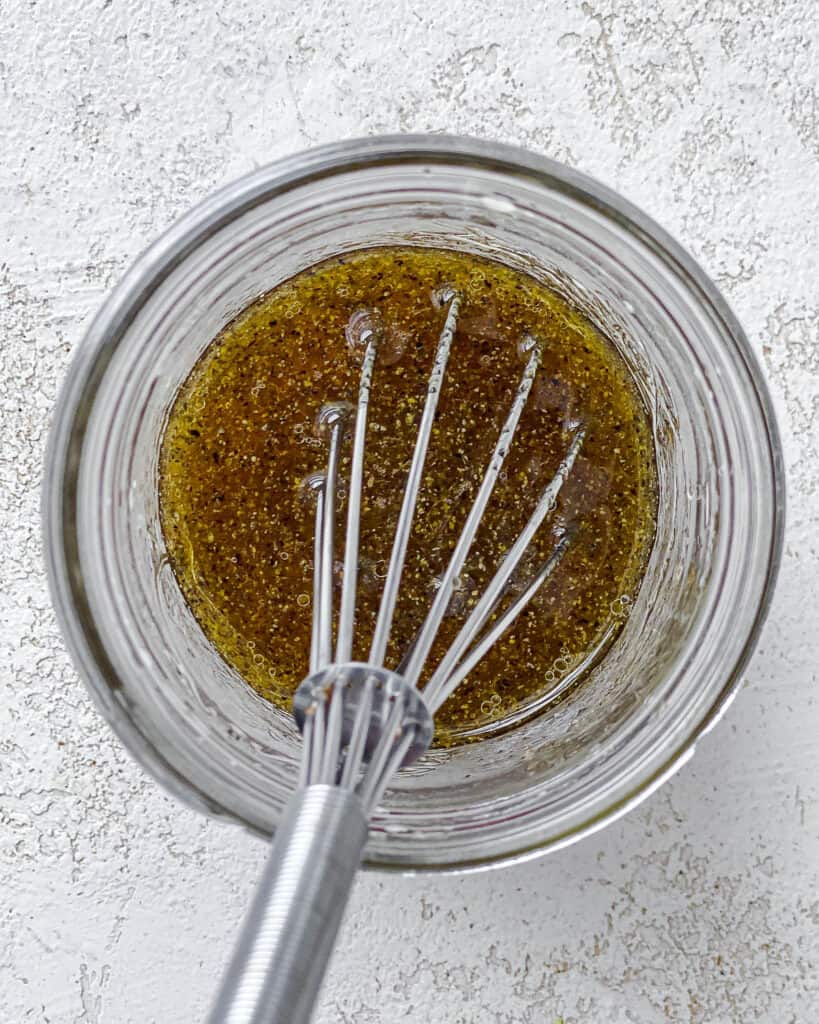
{"type": "Point", "coordinates": [118, 907]}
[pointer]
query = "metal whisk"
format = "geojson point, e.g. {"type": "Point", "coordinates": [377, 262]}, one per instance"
{"type": "Point", "coordinates": [362, 721]}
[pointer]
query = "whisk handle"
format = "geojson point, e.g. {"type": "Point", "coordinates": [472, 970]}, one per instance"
{"type": "Point", "coordinates": [289, 932]}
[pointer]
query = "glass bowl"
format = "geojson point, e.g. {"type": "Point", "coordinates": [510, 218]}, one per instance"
{"type": "Point", "coordinates": [185, 715]}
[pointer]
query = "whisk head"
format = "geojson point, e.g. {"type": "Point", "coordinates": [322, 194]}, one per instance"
{"type": "Point", "coordinates": [361, 720]}
{"type": "Point", "coordinates": [360, 723]}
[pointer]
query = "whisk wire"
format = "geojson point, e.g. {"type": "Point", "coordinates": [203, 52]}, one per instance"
{"type": "Point", "coordinates": [318, 483]}
{"type": "Point", "coordinates": [432, 623]}
{"type": "Point", "coordinates": [381, 781]}
{"type": "Point", "coordinates": [307, 751]}
{"type": "Point", "coordinates": [498, 628]}
{"type": "Point", "coordinates": [353, 760]}
{"type": "Point", "coordinates": [332, 740]}
{"type": "Point", "coordinates": [392, 735]}
{"type": "Point", "coordinates": [317, 749]}
{"type": "Point", "coordinates": [493, 593]}
{"type": "Point", "coordinates": [346, 615]}
{"type": "Point", "coordinates": [389, 596]}
{"type": "Point", "coordinates": [335, 421]}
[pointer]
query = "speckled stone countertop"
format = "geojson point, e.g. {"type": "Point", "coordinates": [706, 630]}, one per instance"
{"type": "Point", "coordinates": [118, 906]}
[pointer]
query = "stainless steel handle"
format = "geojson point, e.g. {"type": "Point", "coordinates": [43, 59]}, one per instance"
{"type": "Point", "coordinates": [288, 935]}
